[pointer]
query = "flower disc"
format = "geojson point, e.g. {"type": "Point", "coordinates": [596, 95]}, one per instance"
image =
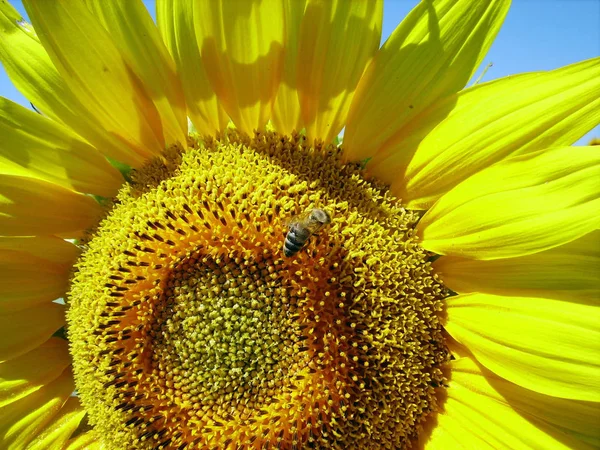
{"type": "Point", "coordinates": [190, 329]}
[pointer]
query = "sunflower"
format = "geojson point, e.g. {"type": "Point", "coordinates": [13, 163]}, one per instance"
{"type": "Point", "coordinates": [451, 302]}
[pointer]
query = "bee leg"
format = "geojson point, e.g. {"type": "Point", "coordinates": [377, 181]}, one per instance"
{"type": "Point", "coordinates": [310, 244]}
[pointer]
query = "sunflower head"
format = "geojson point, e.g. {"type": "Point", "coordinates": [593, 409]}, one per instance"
{"type": "Point", "coordinates": [190, 326]}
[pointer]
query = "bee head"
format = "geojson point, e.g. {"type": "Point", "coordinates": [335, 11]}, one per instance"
{"type": "Point", "coordinates": [321, 216]}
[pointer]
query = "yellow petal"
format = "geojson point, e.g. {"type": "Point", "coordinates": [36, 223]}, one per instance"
{"type": "Point", "coordinates": [286, 107]}
{"type": "Point", "coordinates": [25, 374]}
{"type": "Point", "coordinates": [98, 74]}
{"type": "Point", "coordinates": [548, 346]}
{"type": "Point", "coordinates": [54, 251]}
{"type": "Point", "coordinates": [24, 330]}
{"type": "Point", "coordinates": [484, 411]}
{"type": "Point", "coordinates": [85, 441]}
{"type": "Point", "coordinates": [32, 72]}
{"type": "Point", "coordinates": [29, 66]}
{"type": "Point", "coordinates": [29, 206]}
{"type": "Point", "coordinates": [487, 123]}
{"type": "Point", "coordinates": [25, 418]}
{"type": "Point", "coordinates": [34, 270]}
{"type": "Point", "coordinates": [57, 432]}
{"type": "Point", "coordinates": [176, 20]}
{"type": "Point", "coordinates": [564, 419]}
{"type": "Point", "coordinates": [522, 205]}
{"type": "Point", "coordinates": [432, 54]}
{"type": "Point", "coordinates": [241, 44]}
{"type": "Point", "coordinates": [569, 272]}
{"type": "Point", "coordinates": [35, 146]}
{"type": "Point", "coordinates": [137, 38]}
{"type": "Point", "coordinates": [337, 40]}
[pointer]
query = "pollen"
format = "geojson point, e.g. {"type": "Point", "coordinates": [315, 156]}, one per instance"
{"type": "Point", "coordinates": [190, 329]}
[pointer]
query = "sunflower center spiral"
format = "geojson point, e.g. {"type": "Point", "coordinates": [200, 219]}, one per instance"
{"type": "Point", "coordinates": [191, 329]}
{"type": "Point", "coordinates": [226, 331]}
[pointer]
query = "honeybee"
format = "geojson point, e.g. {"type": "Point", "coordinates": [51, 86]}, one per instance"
{"type": "Point", "coordinates": [302, 227]}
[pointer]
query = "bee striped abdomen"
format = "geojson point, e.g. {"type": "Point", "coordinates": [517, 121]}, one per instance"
{"type": "Point", "coordinates": [294, 241]}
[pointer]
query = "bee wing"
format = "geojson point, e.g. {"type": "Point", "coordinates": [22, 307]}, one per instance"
{"type": "Point", "coordinates": [313, 226]}
{"type": "Point", "coordinates": [298, 218]}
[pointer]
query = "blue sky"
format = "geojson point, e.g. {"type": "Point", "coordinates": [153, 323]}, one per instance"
{"type": "Point", "coordinates": [537, 35]}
